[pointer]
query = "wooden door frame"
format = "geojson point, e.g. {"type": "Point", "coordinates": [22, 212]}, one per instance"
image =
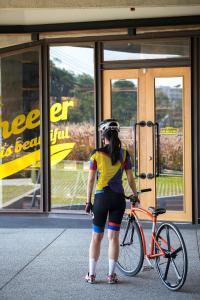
{"type": "Point", "coordinates": [146, 85]}
{"type": "Point", "coordinates": [186, 214]}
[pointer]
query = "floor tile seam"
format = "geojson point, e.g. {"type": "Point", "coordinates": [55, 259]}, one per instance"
{"type": "Point", "coordinates": [29, 262]}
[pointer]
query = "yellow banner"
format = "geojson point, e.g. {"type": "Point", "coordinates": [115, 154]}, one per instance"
{"type": "Point", "coordinates": [58, 153]}
{"type": "Point", "coordinates": [58, 112]}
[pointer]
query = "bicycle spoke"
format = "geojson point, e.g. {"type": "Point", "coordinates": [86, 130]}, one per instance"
{"type": "Point", "coordinates": [126, 249]}
{"type": "Point", "coordinates": [126, 242]}
{"type": "Point", "coordinates": [163, 249]}
{"type": "Point", "coordinates": [175, 269]}
{"type": "Point", "coordinates": [172, 267]}
{"type": "Point", "coordinates": [126, 234]}
{"type": "Point", "coordinates": [130, 256]}
{"type": "Point", "coordinates": [126, 257]}
{"type": "Point", "coordinates": [167, 269]}
{"type": "Point", "coordinates": [132, 235]}
{"type": "Point", "coordinates": [168, 238]}
{"type": "Point", "coordinates": [162, 263]}
{"type": "Point", "coordinates": [177, 250]}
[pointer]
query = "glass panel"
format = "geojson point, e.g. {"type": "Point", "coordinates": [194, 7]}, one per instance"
{"type": "Point", "coordinates": [124, 109]}
{"type": "Point", "coordinates": [20, 131]}
{"type": "Point", "coordinates": [72, 123]}
{"type": "Point", "coordinates": [146, 49]}
{"type": "Point", "coordinates": [169, 115]}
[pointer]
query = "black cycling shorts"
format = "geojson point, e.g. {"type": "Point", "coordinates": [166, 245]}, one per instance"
{"type": "Point", "coordinates": [108, 204]}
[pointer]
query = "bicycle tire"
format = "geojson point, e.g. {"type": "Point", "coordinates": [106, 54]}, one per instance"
{"type": "Point", "coordinates": [172, 274]}
{"type": "Point", "coordinates": [131, 254]}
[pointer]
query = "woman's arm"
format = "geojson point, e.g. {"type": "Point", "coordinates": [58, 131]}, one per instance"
{"type": "Point", "coordinates": [131, 181]}
{"type": "Point", "coordinates": [90, 184]}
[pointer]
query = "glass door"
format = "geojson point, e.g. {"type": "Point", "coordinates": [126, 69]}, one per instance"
{"type": "Point", "coordinates": [153, 108]}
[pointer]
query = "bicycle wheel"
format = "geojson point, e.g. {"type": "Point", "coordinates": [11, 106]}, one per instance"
{"type": "Point", "coordinates": [172, 268]}
{"type": "Point", "coordinates": [131, 253]}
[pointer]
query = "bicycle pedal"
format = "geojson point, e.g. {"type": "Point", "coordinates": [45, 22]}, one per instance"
{"type": "Point", "coordinates": [147, 268]}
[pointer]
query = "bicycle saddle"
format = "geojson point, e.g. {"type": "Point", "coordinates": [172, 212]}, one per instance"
{"type": "Point", "coordinates": [157, 211]}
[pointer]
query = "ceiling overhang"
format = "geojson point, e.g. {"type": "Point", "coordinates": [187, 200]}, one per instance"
{"type": "Point", "coordinates": [41, 16]}
{"type": "Point", "coordinates": [125, 23]}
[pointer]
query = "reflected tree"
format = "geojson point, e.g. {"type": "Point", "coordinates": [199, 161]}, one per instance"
{"type": "Point", "coordinates": [124, 102]}
{"type": "Point", "coordinates": [65, 83]}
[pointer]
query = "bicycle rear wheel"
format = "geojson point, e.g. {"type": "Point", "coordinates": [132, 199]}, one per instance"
{"type": "Point", "coordinates": [131, 253]}
{"type": "Point", "coordinates": [172, 268]}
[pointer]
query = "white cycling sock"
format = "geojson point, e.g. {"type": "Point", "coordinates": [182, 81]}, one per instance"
{"type": "Point", "coordinates": [112, 265]}
{"type": "Point", "coordinates": [92, 266]}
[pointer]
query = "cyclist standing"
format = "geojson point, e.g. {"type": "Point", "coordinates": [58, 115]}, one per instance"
{"type": "Point", "coordinates": [108, 163]}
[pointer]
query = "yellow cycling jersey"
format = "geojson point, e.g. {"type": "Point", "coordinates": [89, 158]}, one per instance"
{"type": "Point", "coordinates": [108, 175]}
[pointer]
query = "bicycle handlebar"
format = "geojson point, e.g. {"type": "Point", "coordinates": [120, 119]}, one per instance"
{"type": "Point", "coordinates": [134, 199]}
{"type": "Point", "coordinates": [144, 191]}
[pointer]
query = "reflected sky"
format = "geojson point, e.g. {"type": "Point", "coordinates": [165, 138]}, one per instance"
{"type": "Point", "coordinates": [78, 60]}
{"type": "Point", "coordinates": [173, 82]}
{"type": "Point", "coordinates": [117, 55]}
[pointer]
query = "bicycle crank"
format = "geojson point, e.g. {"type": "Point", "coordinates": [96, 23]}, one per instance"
{"type": "Point", "coordinates": [148, 267]}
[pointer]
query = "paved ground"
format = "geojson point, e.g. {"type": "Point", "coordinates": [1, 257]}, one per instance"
{"type": "Point", "coordinates": [45, 258]}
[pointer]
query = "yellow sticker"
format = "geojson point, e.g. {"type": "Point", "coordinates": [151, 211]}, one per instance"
{"type": "Point", "coordinates": [169, 131]}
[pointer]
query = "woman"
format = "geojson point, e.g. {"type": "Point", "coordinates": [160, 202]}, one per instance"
{"type": "Point", "coordinates": [108, 162]}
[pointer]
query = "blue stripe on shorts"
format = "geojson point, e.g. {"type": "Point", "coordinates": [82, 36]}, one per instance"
{"type": "Point", "coordinates": [115, 228]}
{"type": "Point", "coordinates": [97, 229]}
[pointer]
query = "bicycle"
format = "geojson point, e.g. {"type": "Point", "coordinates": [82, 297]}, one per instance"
{"type": "Point", "coordinates": [167, 246]}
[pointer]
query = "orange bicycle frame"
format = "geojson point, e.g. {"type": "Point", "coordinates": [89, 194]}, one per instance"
{"type": "Point", "coordinates": [151, 254]}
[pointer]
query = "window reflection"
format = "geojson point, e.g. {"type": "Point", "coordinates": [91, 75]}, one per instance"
{"type": "Point", "coordinates": [169, 106]}
{"type": "Point", "coordinates": [124, 109]}
{"type": "Point", "coordinates": [72, 87]}
{"type": "Point", "coordinates": [146, 49]}
{"type": "Point", "coordinates": [20, 131]}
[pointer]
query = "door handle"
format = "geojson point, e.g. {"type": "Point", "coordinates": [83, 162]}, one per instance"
{"type": "Point", "coordinates": [157, 150]}
{"type": "Point", "coordinates": [155, 159]}
{"type": "Point", "coordinates": [137, 125]}
{"type": "Point", "coordinates": [152, 175]}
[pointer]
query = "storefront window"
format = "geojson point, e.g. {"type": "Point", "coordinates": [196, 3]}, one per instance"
{"type": "Point", "coordinates": [169, 116]}
{"type": "Point", "coordinates": [20, 131]}
{"type": "Point", "coordinates": [72, 123]}
{"type": "Point", "coordinates": [146, 49]}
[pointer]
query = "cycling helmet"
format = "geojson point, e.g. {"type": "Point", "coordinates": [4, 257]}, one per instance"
{"type": "Point", "coordinates": [108, 124]}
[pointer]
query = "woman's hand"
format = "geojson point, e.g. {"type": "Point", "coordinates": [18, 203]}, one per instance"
{"type": "Point", "coordinates": [90, 184]}
{"type": "Point", "coordinates": [134, 199]}
{"type": "Point", "coordinates": [88, 207]}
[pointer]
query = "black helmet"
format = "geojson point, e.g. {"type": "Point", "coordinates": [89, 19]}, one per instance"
{"type": "Point", "coordinates": [109, 124]}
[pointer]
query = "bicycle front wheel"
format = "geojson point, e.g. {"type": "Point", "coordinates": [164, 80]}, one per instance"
{"type": "Point", "coordinates": [172, 267]}
{"type": "Point", "coordinates": [131, 253]}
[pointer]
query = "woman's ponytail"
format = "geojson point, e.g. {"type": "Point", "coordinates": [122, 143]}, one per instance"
{"type": "Point", "coordinates": [114, 145]}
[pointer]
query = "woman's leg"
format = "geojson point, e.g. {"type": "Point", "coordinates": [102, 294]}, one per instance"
{"type": "Point", "coordinates": [100, 214]}
{"type": "Point", "coordinates": [95, 244]}
{"type": "Point", "coordinates": [94, 251]}
{"type": "Point", "coordinates": [113, 249]}
{"type": "Point", "coordinates": [116, 211]}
